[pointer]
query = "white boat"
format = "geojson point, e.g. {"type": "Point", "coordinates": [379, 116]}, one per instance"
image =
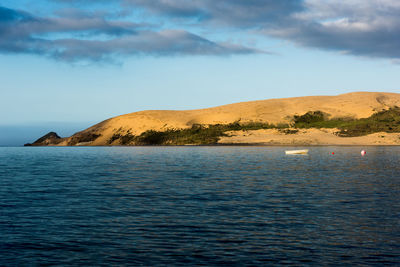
{"type": "Point", "coordinates": [296, 152]}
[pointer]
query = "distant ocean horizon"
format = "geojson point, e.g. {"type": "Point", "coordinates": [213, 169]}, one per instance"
{"type": "Point", "coordinates": [203, 205]}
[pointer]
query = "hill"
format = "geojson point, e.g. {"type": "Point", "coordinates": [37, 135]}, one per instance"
{"type": "Point", "coordinates": [270, 113]}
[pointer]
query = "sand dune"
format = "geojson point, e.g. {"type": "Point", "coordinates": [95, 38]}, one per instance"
{"type": "Point", "coordinates": [355, 105]}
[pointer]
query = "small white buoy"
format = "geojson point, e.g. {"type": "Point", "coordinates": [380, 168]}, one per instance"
{"type": "Point", "coordinates": [363, 152]}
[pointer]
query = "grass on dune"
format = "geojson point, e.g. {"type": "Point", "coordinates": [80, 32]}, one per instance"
{"type": "Point", "coordinates": [196, 135]}
{"type": "Point", "coordinates": [383, 121]}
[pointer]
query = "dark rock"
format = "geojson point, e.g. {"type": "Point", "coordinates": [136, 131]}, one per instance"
{"type": "Point", "coordinates": [51, 138]}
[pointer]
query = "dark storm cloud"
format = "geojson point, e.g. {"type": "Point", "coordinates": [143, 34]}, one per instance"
{"type": "Point", "coordinates": [73, 35]}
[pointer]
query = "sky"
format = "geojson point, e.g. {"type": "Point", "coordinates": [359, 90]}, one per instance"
{"type": "Point", "coordinates": [68, 64]}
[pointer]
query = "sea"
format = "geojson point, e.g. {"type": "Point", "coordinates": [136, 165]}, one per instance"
{"type": "Point", "coordinates": [199, 205]}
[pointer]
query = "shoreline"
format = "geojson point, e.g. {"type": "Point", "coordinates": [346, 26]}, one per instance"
{"type": "Point", "coordinates": [229, 145]}
{"type": "Point", "coordinates": [309, 137]}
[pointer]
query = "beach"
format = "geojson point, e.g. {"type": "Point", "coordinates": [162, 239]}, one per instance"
{"type": "Point", "coordinates": [307, 137]}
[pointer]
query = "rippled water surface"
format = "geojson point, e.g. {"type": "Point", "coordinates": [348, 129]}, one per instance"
{"type": "Point", "coordinates": [199, 205]}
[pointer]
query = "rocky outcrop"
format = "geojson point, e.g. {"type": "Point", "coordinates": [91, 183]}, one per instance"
{"type": "Point", "coordinates": [49, 139]}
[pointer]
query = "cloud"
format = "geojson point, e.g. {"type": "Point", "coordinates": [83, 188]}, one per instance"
{"type": "Point", "coordinates": [358, 27]}
{"type": "Point", "coordinates": [163, 43]}
{"type": "Point", "coordinates": [238, 13]}
{"type": "Point", "coordinates": [368, 28]}
{"type": "Point", "coordinates": [73, 35]}
{"type": "Point", "coordinates": [7, 15]}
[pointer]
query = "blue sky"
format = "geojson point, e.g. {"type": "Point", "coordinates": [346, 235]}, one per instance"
{"type": "Point", "coordinates": [70, 64]}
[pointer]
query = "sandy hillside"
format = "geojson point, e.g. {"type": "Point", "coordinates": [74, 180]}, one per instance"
{"type": "Point", "coordinates": [357, 105]}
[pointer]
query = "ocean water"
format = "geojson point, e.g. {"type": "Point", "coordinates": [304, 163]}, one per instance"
{"type": "Point", "coordinates": [158, 206]}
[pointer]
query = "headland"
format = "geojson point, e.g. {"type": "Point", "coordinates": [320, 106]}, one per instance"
{"type": "Point", "coordinates": [360, 118]}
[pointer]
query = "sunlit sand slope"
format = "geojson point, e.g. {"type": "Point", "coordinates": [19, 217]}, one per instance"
{"type": "Point", "coordinates": [356, 105]}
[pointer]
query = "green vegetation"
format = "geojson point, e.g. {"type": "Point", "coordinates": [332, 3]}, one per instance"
{"type": "Point", "coordinates": [383, 121]}
{"type": "Point", "coordinates": [310, 117]}
{"type": "Point", "coordinates": [196, 135]}
{"type": "Point", "coordinates": [83, 138]}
